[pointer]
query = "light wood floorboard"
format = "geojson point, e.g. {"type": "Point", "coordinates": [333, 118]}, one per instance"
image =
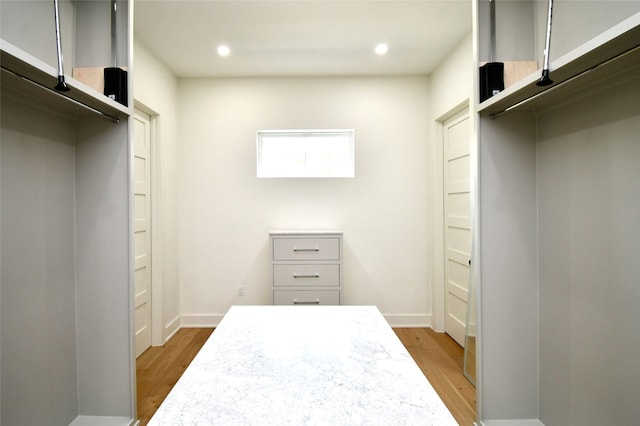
{"type": "Point", "coordinates": [441, 359]}
{"type": "Point", "coordinates": [159, 368]}
{"type": "Point", "coordinates": [438, 356]}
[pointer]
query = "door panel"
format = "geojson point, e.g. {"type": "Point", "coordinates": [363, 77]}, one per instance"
{"type": "Point", "coordinates": [142, 231]}
{"type": "Point", "coordinates": [457, 217]}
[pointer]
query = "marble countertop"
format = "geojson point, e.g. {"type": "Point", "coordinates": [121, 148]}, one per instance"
{"type": "Point", "coordinates": [303, 365]}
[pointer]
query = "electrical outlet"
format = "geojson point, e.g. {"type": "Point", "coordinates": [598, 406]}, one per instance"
{"type": "Point", "coordinates": [240, 290]}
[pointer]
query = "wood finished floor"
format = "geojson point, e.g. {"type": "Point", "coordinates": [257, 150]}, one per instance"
{"type": "Point", "coordinates": [439, 357]}
{"type": "Point", "coordinates": [159, 368]}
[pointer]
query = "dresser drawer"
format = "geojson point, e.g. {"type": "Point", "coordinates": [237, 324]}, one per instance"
{"type": "Point", "coordinates": [306, 249]}
{"type": "Point", "coordinates": [321, 275]}
{"type": "Point", "coordinates": [306, 297]}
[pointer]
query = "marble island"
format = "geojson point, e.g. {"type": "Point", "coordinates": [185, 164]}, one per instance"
{"type": "Point", "coordinates": [303, 365]}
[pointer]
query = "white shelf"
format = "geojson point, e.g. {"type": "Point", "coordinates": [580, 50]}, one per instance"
{"type": "Point", "coordinates": [594, 60]}
{"type": "Point", "coordinates": [31, 68]}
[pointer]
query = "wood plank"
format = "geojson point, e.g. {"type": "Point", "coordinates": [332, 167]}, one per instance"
{"type": "Point", "coordinates": [441, 359]}
{"type": "Point", "coordinates": [159, 368]}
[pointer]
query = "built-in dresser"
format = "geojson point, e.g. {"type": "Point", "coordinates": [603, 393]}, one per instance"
{"type": "Point", "coordinates": [306, 267]}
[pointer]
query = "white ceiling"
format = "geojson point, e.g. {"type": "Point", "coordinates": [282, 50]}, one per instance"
{"type": "Point", "coordinates": [301, 37]}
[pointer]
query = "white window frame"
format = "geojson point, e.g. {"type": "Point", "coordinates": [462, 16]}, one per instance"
{"type": "Point", "coordinates": [300, 156]}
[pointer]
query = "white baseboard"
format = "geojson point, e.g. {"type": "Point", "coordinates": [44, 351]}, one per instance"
{"type": "Point", "coordinates": [171, 329]}
{"type": "Point", "coordinates": [103, 421]}
{"type": "Point", "coordinates": [203, 320]}
{"type": "Point", "coordinates": [395, 321]}
{"type": "Point", "coordinates": [511, 422]}
{"type": "Point", "coordinates": [408, 321]}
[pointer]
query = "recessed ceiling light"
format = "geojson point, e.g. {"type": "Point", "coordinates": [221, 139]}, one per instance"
{"type": "Point", "coordinates": [224, 50]}
{"type": "Point", "coordinates": [381, 49]}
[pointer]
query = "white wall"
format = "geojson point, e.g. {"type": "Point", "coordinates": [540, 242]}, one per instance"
{"type": "Point", "coordinates": [157, 89]}
{"type": "Point", "coordinates": [451, 82]}
{"type": "Point", "coordinates": [30, 26]}
{"type": "Point", "coordinates": [576, 22]}
{"type": "Point", "coordinates": [226, 212]}
{"type": "Point", "coordinates": [37, 255]}
{"type": "Point", "coordinates": [450, 86]}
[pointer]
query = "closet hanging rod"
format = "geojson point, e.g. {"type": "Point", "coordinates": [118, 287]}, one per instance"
{"type": "Point", "coordinates": [76, 102]}
{"type": "Point", "coordinates": [550, 89]}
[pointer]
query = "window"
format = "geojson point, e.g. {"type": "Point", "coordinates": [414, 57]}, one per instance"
{"type": "Point", "coordinates": [305, 153]}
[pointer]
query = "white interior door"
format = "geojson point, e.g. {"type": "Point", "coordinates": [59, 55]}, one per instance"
{"type": "Point", "coordinates": [457, 226]}
{"type": "Point", "coordinates": [142, 229]}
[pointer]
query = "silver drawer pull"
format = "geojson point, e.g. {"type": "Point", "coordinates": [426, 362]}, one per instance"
{"type": "Point", "coordinates": [305, 249]}
{"type": "Point", "coordinates": [306, 276]}
{"type": "Point", "coordinates": [306, 302]}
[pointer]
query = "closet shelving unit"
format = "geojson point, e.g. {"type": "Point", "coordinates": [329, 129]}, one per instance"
{"type": "Point", "coordinates": [26, 76]}
{"type": "Point", "coordinates": [603, 60]}
{"type": "Point", "coordinates": [557, 208]}
{"type": "Point", "coordinates": [65, 207]}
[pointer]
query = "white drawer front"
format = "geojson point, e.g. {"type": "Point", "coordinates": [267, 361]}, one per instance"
{"type": "Point", "coordinates": [306, 275]}
{"type": "Point", "coordinates": [306, 249]}
{"type": "Point", "coordinates": [306, 297]}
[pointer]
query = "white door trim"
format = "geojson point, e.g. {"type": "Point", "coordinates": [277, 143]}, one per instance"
{"type": "Point", "coordinates": [439, 258]}
{"type": "Point", "coordinates": [156, 219]}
